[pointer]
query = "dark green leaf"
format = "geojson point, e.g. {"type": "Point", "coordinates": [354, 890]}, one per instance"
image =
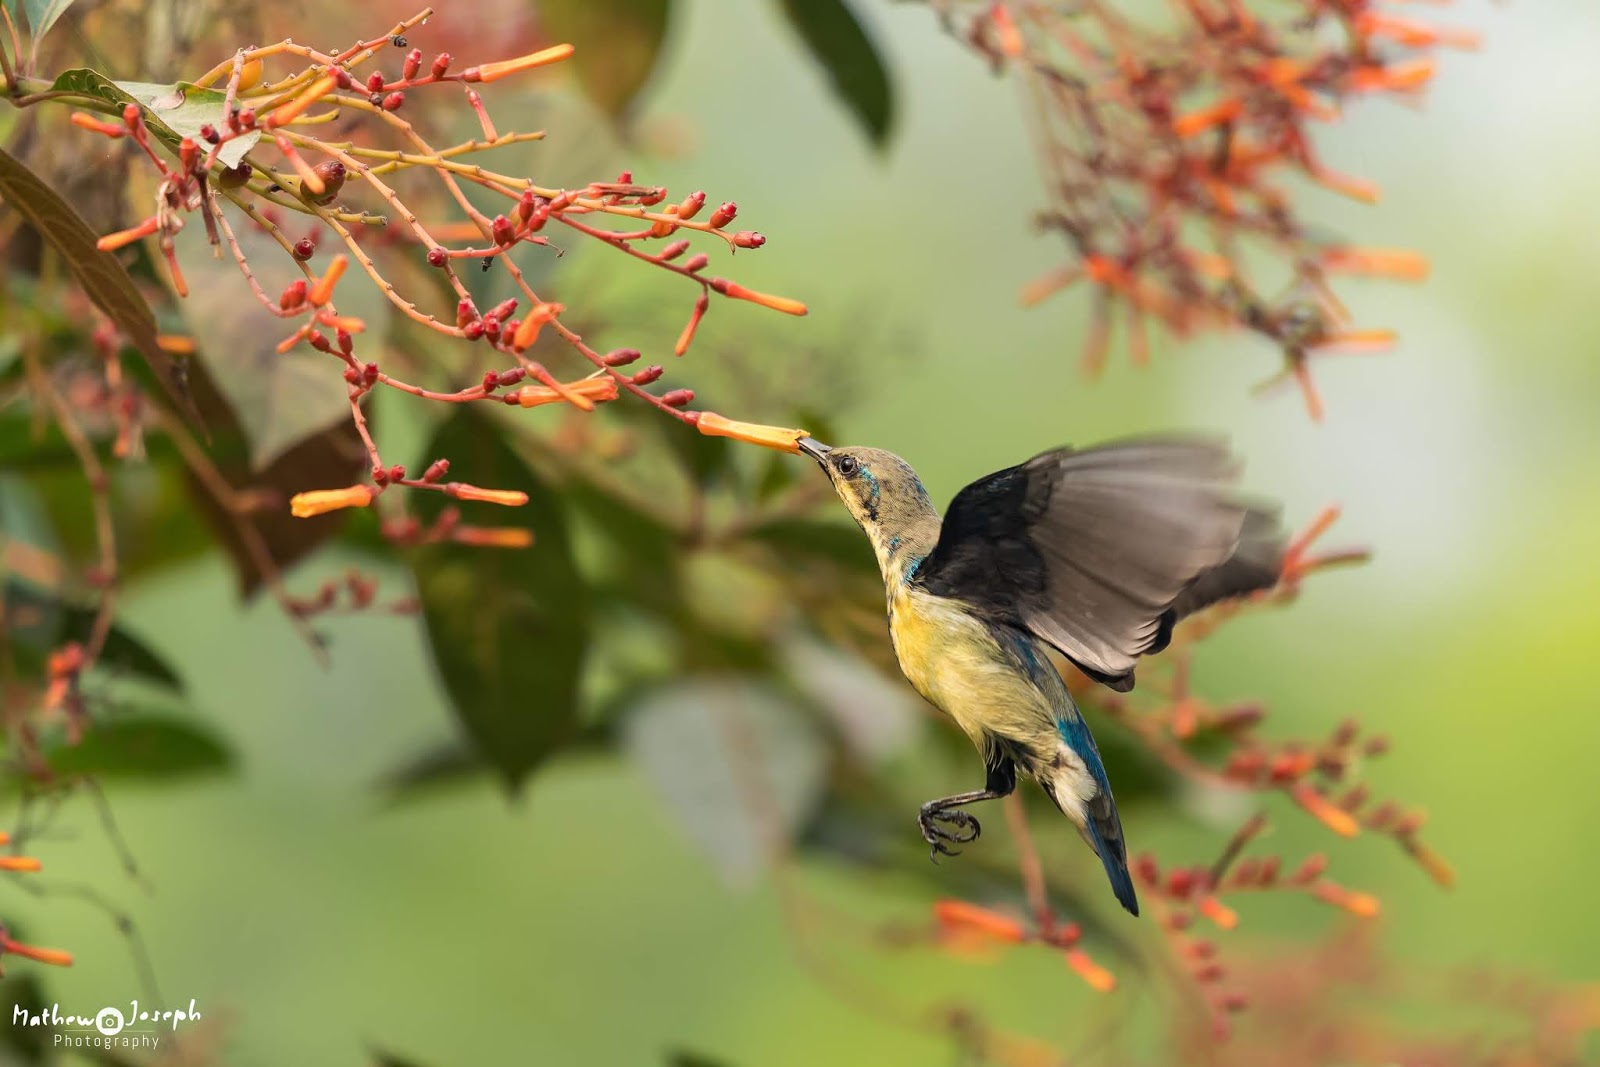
{"type": "Point", "coordinates": [509, 629]}
{"type": "Point", "coordinates": [142, 745]}
{"type": "Point", "coordinates": [618, 42]}
{"type": "Point", "coordinates": [42, 14]}
{"type": "Point", "coordinates": [122, 653]}
{"type": "Point", "coordinates": [382, 1058]}
{"type": "Point", "coordinates": [100, 273]}
{"type": "Point", "coordinates": [172, 112]}
{"type": "Point", "coordinates": [854, 66]}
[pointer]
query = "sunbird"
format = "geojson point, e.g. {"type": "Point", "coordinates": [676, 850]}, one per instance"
{"type": "Point", "coordinates": [1096, 553]}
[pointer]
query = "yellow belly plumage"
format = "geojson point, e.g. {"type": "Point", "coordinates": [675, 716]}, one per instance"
{"type": "Point", "coordinates": [950, 657]}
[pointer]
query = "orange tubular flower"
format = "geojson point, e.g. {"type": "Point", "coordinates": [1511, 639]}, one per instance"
{"type": "Point", "coordinates": [52, 956]}
{"type": "Point", "coordinates": [1363, 905]}
{"type": "Point", "coordinates": [528, 329]}
{"type": "Point", "coordinates": [963, 919]}
{"type": "Point", "coordinates": [1196, 122]}
{"type": "Point", "coordinates": [321, 501]}
{"type": "Point", "coordinates": [776, 303]}
{"type": "Point", "coordinates": [595, 390]}
{"type": "Point", "coordinates": [489, 72]}
{"type": "Point", "coordinates": [1336, 819]}
{"type": "Point", "coordinates": [295, 108]}
{"type": "Point", "coordinates": [322, 292]}
{"type": "Point", "coordinates": [511, 498]}
{"type": "Point", "coordinates": [492, 536]}
{"type": "Point", "coordinates": [784, 440]}
{"type": "Point", "coordinates": [1388, 262]}
{"type": "Point", "coordinates": [1219, 913]}
{"type": "Point", "coordinates": [113, 241]}
{"type": "Point", "coordinates": [1097, 977]}
{"type": "Point", "coordinates": [21, 864]}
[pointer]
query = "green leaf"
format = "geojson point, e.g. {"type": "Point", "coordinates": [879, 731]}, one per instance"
{"type": "Point", "coordinates": [100, 273]}
{"type": "Point", "coordinates": [172, 112]}
{"type": "Point", "coordinates": [122, 653]}
{"type": "Point", "coordinates": [42, 14]}
{"type": "Point", "coordinates": [618, 44]}
{"type": "Point", "coordinates": [853, 64]}
{"type": "Point", "coordinates": [509, 629]}
{"type": "Point", "coordinates": [142, 745]}
{"type": "Point", "coordinates": [734, 761]}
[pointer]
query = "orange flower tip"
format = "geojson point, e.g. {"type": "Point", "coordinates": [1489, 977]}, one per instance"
{"type": "Point", "coordinates": [175, 344]}
{"type": "Point", "coordinates": [1345, 185]}
{"type": "Point", "coordinates": [322, 292]}
{"type": "Point", "coordinates": [1437, 866]}
{"type": "Point", "coordinates": [320, 501]}
{"type": "Point", "coordinates": [1195, 122]}
{"type": "Point", "coordinates": [767, 300]}
{"type": "Point", "coordinates": [777, 437]}
{"type": "Point", "coordinates": [1323, 810]}
{"type": "Point", "coordinates": [489, 72]}
{"type": "Point", "coordinates": [959, 917]}
{"type": "Point", "coordinates": [1095, 976]}
{"type": "Point", "coordinates": [113, 241]}
{"type": "Point", "coordinates": [53, 956]}
{"type": "Point", "coordinates": [1356, 341]}
{"type": "Point", "coordinates": [1387, 262]}
{"type": "Point", "coordinates": [1041, 289]}
{"type": "Point", "coordinates": [86, 121]}
{"type": "Point", "coordinates": [510, 498]}
{"type": "Point", "coordinates": [347, 323]}
{"type": "Point", "coordinates": [286, 114]}
{"type": "Point", "coordinates": [588, 391]}
{"type": "Point", "coordinates": [20, 864]}
{"type": "Point", "coordinates": [493, 536]}
{"type": "Point", "coordinates": [1218, 912]}
{"type": "Point", "coordinates": [1009, 38]}
{"type": "Point", "coordinates": [5, 838]}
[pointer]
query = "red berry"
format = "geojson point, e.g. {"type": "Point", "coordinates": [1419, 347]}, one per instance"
{"type": "Point", "coordinates": [437, 257]}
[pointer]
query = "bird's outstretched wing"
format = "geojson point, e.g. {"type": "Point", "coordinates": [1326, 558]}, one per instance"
{"type": "Point", "coordinates": [1099, 552]}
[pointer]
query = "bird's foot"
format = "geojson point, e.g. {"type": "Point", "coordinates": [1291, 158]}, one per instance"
{"type": "Point", "coordinates": [943, 827]}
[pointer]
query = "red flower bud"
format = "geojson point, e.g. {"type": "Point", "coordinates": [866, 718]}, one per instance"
{"type": "Point", "coordinates": [502, 231]}
{"type": "Point", "coordinates": [441, 63]}
{"type": "Point", "coordinates": [393, 101]}
{"type": "Point", "coordinates": [673, 251]}
{"type": "Point", "coordinates": [649, 374]}
{"type": "Point", "coordinates": [724, 214]}
{"type": "Point", "coordinates": [621, 357]}
{"type": "Point", "coordinates": [691, 205]}
{"type": "Point", "coordinates": [412, 64]}
{"type": "Point", "coordinates": [437, 257]}
{"type": "Point", "coordinates": [304, 249]}
{"type": "Point", "coordinates": [436, 470]}
{"type": "Point", "coordinates": [697, 263]}
{"type": "Point", "coordinates": [678, 398]}
{"type": "Point", "coordinates": [748, 239]}
{"type": "Point", "coordinates": [375, 82]}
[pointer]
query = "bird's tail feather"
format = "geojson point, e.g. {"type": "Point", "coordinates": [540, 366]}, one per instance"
{"type": "Point", "coordinates": [1097, 820]}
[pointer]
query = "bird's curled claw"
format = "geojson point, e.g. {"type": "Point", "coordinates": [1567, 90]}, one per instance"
{"type": "Point", "coordinates": [943, 827]}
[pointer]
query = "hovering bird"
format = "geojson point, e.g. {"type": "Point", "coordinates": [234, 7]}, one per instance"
{"type": "Point", "coordinates": [1096, 553]}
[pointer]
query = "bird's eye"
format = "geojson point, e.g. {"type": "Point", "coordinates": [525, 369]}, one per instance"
{"type": "Point", "coordinates": [847, 466]}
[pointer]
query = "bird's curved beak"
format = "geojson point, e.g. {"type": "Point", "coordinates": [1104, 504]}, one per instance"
{"type": "Point", "coordinates": [818, 451]}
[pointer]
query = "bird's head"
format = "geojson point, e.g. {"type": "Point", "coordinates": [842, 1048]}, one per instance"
{"type": "Point", "coordinates": [883, 493]}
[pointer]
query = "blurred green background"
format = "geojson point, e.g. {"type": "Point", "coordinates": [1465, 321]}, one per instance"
{"type": "Point", "coordinates": [580, 924]}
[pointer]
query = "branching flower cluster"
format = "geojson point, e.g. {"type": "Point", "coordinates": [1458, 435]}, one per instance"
{"type": "Point", "coordinates": [1170, 154]}
{"type": "Point", "coordinates": [315, 176]}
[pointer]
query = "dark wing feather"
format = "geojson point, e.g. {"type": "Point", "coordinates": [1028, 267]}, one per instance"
{"type": "Point", "coordinates": [1099, 552]}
